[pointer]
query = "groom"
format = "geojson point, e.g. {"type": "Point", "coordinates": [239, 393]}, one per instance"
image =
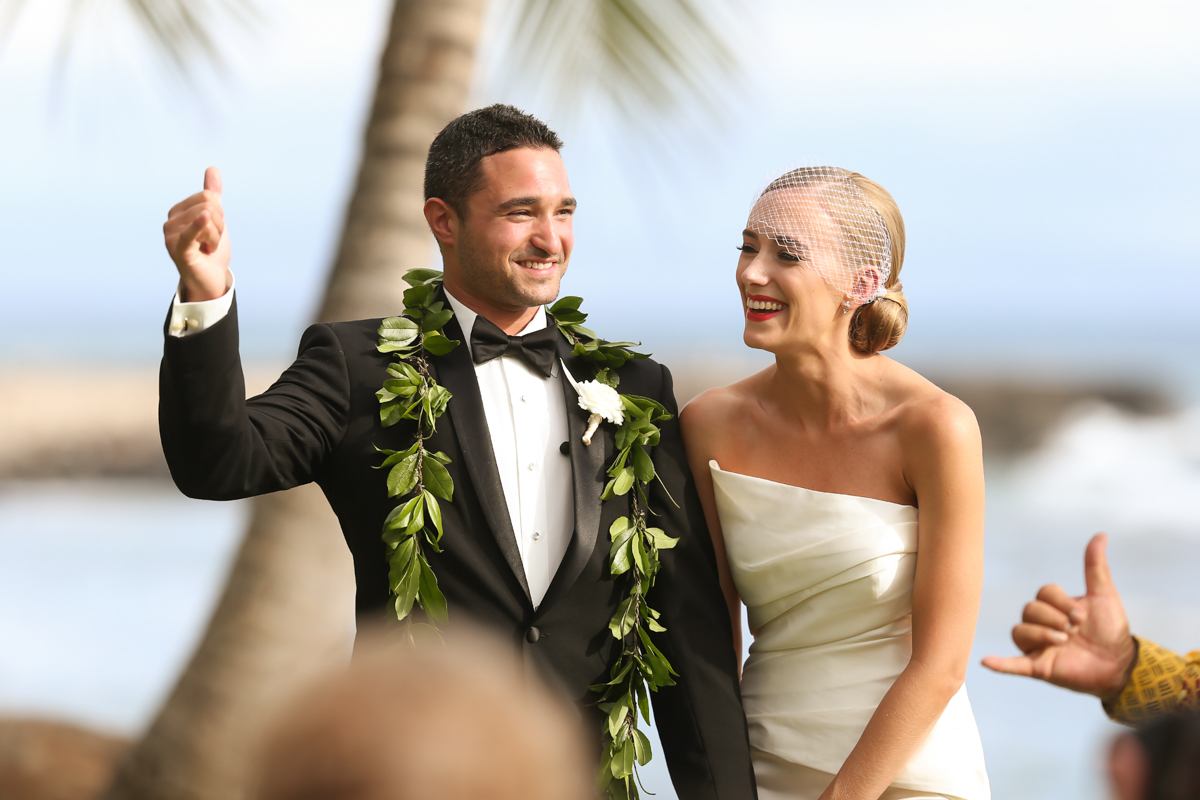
{"type": "Point", "coordinates": [525, 550]}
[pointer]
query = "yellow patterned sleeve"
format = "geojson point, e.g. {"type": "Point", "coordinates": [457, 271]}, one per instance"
{"type": "Point", "coordinates": [1161, 682]}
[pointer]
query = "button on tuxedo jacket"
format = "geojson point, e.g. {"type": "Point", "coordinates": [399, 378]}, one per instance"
{"type": "Point", "coordinates": [320, 422]}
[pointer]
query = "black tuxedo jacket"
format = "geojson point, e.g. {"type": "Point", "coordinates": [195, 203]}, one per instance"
{"type": "Point", "coordinates": [320, 422]}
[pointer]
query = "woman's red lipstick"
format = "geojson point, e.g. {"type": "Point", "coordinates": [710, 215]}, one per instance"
{"type": "Point", "coordinates": [767, 307]}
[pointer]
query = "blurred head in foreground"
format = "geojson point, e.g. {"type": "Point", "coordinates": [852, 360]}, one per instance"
{"type": "Point", "coordinates": [436, 721]}
{"type": "Point", "coordinates": [1158, 762]}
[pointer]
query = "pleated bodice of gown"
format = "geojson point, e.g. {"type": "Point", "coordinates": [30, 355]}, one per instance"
{"type": "Point", "coordinates": [827, 580]}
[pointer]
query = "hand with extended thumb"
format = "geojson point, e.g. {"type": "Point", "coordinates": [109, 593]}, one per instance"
{"type": "Point", "coordinates": [1079, 643]}
{"type": "Point", "coordinates": [198, 243]}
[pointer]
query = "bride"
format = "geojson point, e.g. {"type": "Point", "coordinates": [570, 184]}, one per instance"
{"type": "Point", "coordinates": [812, 473]}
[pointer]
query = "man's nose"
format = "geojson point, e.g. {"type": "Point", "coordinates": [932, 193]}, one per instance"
{"type": "Point", "coordinates": [546, 236]}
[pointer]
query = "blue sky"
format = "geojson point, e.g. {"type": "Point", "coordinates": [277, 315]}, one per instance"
{"type": "Point", "coordinates": [1043, 154]}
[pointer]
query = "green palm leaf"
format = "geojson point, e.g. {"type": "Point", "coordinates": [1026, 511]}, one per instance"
{"type": "Point", "coordinates": [643, 55]}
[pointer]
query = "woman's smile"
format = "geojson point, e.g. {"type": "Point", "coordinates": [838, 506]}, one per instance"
{"type": "Point", "coordinates": [760, 308]}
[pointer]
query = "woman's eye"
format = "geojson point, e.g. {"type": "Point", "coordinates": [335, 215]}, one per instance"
{"type": "Point", "coordinates": [786, 256]}
{"type": "Point", "coordinates": [746, 249]}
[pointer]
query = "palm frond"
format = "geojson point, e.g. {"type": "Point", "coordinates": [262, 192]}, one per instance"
{"type": "Point", "coordinates": [643, 55]}
{"type": "Point", "coordinates": [9, 11]}
{"type": "Point", "coordinates": [183, 32]}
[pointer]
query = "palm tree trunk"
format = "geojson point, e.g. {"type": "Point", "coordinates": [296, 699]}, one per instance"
{"type": "Point", "coordinates": [423, 83]}
{"type": "Point", "coordinates": [286, 612]}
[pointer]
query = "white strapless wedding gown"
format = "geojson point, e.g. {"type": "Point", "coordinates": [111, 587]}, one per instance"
{"type": "Point", "coordinates": [827, 581]}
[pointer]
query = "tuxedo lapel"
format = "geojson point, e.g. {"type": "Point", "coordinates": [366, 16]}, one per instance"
{"type": "Point", "coordinates": [456, 372]}
{"type": "Point", "coordinates": [588, 464]}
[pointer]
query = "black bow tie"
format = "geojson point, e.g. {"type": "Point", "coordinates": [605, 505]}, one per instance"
{"type": "Point", "coordinates": [537, 348]}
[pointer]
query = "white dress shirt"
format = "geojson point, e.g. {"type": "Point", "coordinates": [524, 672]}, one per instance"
{"type": "Point", "coordinates": [526, 417]}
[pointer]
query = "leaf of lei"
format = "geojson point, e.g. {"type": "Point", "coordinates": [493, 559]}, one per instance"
{"type": "Point", "coordinates": [411, 393]}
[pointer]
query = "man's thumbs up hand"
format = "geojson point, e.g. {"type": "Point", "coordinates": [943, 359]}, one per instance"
{"type": "Point", "coordinates": [198, 243]}
{"type": "Point", "coordinates": [1080, 643]}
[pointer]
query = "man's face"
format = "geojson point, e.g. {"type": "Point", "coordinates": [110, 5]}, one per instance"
{"type": "Point", "coordinates": [515, 242]}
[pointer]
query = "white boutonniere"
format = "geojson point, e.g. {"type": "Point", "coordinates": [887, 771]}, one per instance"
{"type": "Point", "coordinates": [601, 401]}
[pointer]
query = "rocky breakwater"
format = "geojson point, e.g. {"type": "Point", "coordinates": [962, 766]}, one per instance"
{"type": "Point", "coordinates": [90, 423]}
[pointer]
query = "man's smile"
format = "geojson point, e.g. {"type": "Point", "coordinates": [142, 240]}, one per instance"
{"type": "Point", "coordinates": [538, 265]}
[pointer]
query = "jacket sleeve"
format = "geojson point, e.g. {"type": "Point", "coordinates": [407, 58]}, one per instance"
{"type": "Point", "coordinates": [221, 446]}
{"type": "Point", "coordinates": [700, 720]}
{"type": "Point", "coordinates": [1162, 682]}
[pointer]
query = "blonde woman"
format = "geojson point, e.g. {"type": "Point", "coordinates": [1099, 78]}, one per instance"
{"type": "Point", "coordinates": [844, 493]}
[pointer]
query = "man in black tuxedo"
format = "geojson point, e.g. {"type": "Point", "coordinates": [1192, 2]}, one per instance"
{"type": "Point", "coordinates": [525, 549]}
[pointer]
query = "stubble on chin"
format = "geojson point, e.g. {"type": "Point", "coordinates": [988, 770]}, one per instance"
{"type": "Point", "coordinates": [503, 287]}
{"type": "Point", "coordinates": [502, 283]}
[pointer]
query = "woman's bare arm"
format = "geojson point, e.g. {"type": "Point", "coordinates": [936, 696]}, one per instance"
{"type": "Point", "coordinates": [944, 466]}
{"type": "Point", "coordinates": [698, 421]}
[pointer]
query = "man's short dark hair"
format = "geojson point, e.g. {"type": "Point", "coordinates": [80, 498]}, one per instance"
{"type": "Point", "coordinates": [452, 171]}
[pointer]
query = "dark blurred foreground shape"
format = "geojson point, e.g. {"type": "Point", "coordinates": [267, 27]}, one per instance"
{"type": "Point", "coordinates": [459, 719]}
{"type": "Point", "coordinates": [1158, 762]}
{"type": "Point", "coordinates": [43, 760]}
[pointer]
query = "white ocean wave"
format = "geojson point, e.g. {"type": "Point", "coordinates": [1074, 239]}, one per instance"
{"type": "Point", "coordinates": [1134, 472]}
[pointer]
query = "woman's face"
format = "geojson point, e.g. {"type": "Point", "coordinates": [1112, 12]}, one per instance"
{"type": "Point", "coordinates": [787, 300]}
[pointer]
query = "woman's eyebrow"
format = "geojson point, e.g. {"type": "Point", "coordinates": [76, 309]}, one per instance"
{"type": "Point", "coordinates": [787, 242]}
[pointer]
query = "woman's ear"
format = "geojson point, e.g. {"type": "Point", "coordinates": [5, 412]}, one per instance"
{"type": "Point", "coordinates": [867, 283]}
{"type": "Point", "coordinates": [1128, 768]}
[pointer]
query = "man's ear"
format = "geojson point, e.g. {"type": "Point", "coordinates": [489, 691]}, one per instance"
{"type": "Point", "coordinates": [442, 219]}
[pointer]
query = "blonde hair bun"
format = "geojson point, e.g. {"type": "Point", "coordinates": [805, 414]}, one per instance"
{"type": "Point", "coordinates": [880, 325]}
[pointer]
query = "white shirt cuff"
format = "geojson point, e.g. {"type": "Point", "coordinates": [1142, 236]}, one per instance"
{"type": "Point", "coordinates": [190, 318]}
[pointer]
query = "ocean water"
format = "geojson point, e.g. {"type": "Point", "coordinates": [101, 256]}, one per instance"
{"type": "Point", "coordinates": [105, 585]}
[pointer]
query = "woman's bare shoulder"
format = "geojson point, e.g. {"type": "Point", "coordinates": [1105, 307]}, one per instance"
{"type": "Point", "coordinates": [929, 413]}
{"type": "Point", "coordinates": [712, 410]}
{"type": "Point", "coordinates": [720, 401]}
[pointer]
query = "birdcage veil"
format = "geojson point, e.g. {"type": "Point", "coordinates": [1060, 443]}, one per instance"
{"type": "Point", "coordinates": [819, 215]}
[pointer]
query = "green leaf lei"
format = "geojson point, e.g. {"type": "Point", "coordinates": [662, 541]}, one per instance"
{"type": "Point", "coordinates": [420, 475]}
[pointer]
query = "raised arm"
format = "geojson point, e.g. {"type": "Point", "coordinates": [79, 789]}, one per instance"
{"type": "Point", "coordinates": [218, 444]}
{"type": "Point", "coordinates": [944, 466]}
{"type": "Point", "coordinates": [1084, 644]}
